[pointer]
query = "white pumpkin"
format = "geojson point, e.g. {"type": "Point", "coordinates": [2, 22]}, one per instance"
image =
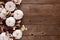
{"type": "Point", "coordinates": [3, 36]}
{"type": "Point", "coordinates": [1, 9]}
{"type": "Point", "coordinates": [2, 16]}
{"type": "Point", "coordinates": [18, 14]}
{"type": "Point", "coordinates": [4, 11]}
{"type": "Point", "coordinates": [17, 1]}
{"type": "Point", "coordinates": [10, 21]}
{"type": "Point", "coordinates": [10, 6]}
{"type": "Point", "coordinates": [17, 34]}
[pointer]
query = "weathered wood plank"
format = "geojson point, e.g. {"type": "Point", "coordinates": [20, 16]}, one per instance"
{"type": "Point", "coordinates": [40, 20]}
{"type": "Point", "coordinates": [41, 1]}
{"type": "Point", "coordinates": [41, 14]}
{"type": "Point", "coordinates": [40, 38]}
{"type": "Point", "coordinates": [38, 9]}
{"type": "Point", "coordinates": [37, 1]}
{"type": "Point", "coordinates": [42, 30]}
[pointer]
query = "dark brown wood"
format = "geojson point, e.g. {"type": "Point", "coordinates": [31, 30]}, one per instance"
{"type": "Point", "coordinates": [41, 1]}
{"type": "Point", "coordinates": [37, 1]}
{"type": "Point", "coordinates": [41, 14]}
{"type": "Point", "coordinates": [41, 38]}
{"type": "Point", "coordinates": [42, 29]}
{"type": "Point", "coordinates": [42, 18]}
{"type": "Point", "coordinates": [40, 9]}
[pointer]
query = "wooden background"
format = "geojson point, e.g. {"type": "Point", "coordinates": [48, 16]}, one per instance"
{"type": "Point", "coordinates": [42, 18]}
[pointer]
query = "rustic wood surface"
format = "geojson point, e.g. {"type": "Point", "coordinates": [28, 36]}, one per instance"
{"type": "Point", "coordinates": [41, 38]}
{"type": "Point", "coordinates": [41, 1]}
{"type": "Point", "coordinates": [42, 18]}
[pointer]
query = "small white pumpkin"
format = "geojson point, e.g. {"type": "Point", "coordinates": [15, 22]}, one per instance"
{"type": "Point", "coordinates": [10, 21]}
{"type": "Point", "coordinates": [4, 11]}
{"type": "Point", "coordinates": [17, 1]}
{"type": "Point", "coordinates": [2, 16]}
{"type": "Point", "coordinates": [17, 34]}
{"type": "Point", "coordinates": [3, 36]}
{"type": "Point", "coordinates": [1, 9]}
{"type": "Point", "coordinates": [18, 14]}
{"type": "Point", "coordinates": [10, 6]}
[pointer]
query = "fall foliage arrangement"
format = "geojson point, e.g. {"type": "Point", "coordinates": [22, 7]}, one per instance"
{"type": "Point", "coordinates": [10, 20]}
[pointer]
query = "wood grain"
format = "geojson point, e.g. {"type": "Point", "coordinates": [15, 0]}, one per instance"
{"type": "Point", "coordinates": [42, 30]}
{"type": "Point", "coordinates": [37, 1]}
{"type": "Point", "coordinates": [40, 38]}
{"type": "Point", "coordinates": [40, 9]}
{"type": "Point", "coordinates": [41, 14]}
{"type": "Point", "coordinates": [41, 1]}
{"type": "Point", "coordinates": [42, 18]}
